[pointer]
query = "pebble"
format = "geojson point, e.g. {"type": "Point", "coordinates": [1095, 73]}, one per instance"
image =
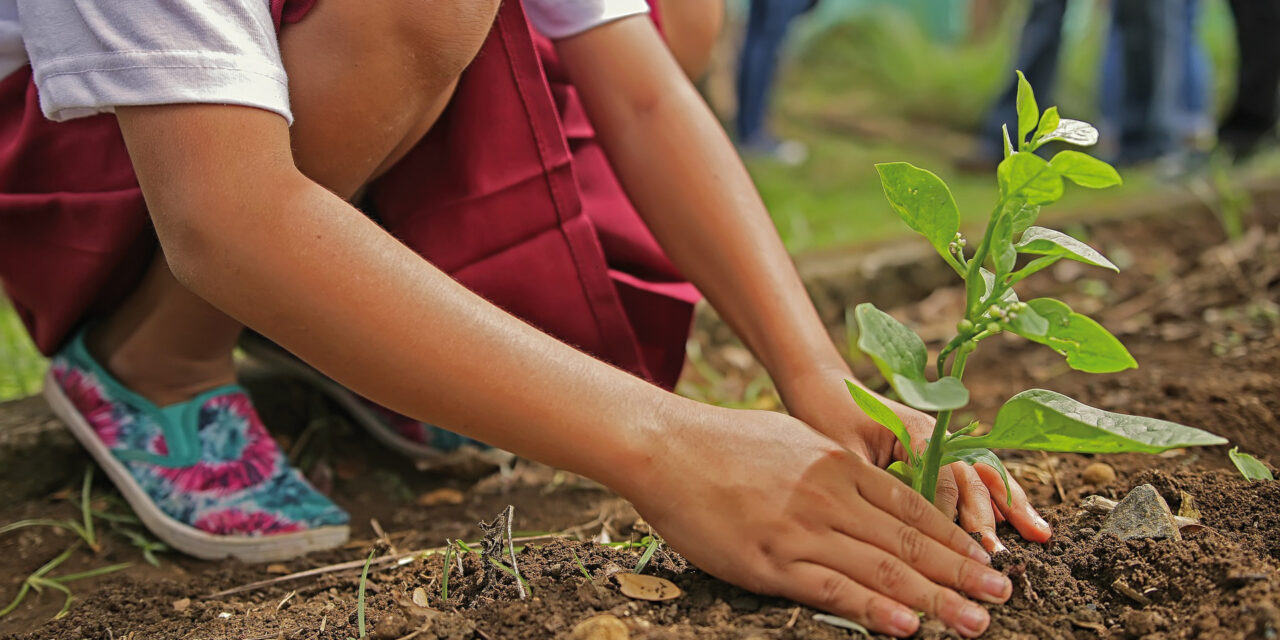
{"type": "Point", "coordinates": [601, 627]}
{"type": "Point", "coordinates": [1099, 473]}
{"type": "Point", "coordinates": [1142, 514]}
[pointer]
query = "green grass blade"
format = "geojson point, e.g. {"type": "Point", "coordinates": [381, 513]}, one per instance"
{"type": "Point", "coordinates": [648, 554]}
{"type": "Point", "coordinates": [364, 579]}
{"type": "Point", "coordinates": [69, 525]}
{"type": "Point", "coordinates": [66, 604]}
{"type": "Point", "coordinates": [91, 573]}
{"type": "Point", "coordinates": [499, 564]}
{"type": "Point", "coordinates": [444, 575]}
{"type": "Point", "coordinates": [17, 600]}
{"type": "Point", "coordinates": [581, 567]}
{"type": "Point", "coordinates": [53, 564]}
{"type": "Point", "coordinates": [86, 509]}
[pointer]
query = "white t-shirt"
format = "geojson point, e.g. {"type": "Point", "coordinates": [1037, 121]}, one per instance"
{"type": "Point", "coordinates": [90, 56]}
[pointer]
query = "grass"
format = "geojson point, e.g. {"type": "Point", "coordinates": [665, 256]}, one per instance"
{"type": "Point", "coordinates": [21, 366]}
{"type": "Point", "coordinates": [364, 581]}
{"type": "Point", "coordinates": [650, 549]}
{"type": "Point", "coordinates": [39, 580]}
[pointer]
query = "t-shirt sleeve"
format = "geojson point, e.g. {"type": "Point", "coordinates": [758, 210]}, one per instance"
{"type": "Point", "coordinates": [90, 56]}
{"type": "Point", "coordinates": [564, 18]}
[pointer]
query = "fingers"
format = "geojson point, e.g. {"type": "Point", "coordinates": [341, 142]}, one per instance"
{"type": "Point", "coordinates": [898, 500]}
{"type": "Point", "coordinates": [928, 556]}
{"type": "Point", "coordinates": [829, 590]}
{"type": "Point", "coordinates": [1021, 514]}
{"type": "Point", "coordinates": [946, 495]}
{"type": "Point", "coordinates": [889, 576]}
{"type": "Point", "coordinates": [977, 513]}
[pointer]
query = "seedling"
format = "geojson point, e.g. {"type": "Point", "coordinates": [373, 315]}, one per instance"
{"type": "Point", "coordinates": [581, 567]}
{"type": "Point", "coordinates": [364, 580]}
{"type": "Point", "coordinates": [653, 543]}
{"type": "Point", "coordinates": [1036, 419]}
{"type": "Point", "coordinates": [444, 572]}
{"type": "Point", "coordinates": [1250, 467]}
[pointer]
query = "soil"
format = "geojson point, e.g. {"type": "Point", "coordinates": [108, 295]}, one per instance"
{"type": "Point", "coordinates": [1198, 313]}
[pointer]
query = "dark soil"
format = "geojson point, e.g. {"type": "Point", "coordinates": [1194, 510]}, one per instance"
{"type": "Point", "coordinates": [1199, 315]}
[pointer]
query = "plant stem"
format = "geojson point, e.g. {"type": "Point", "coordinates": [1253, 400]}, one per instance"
{"type": "Point", "coordinates": [933, 453]}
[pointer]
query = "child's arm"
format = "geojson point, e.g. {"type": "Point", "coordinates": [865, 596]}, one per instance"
{"type": "Point", "coordinates": [686, 180]}
{"type": "Point", "coordinates": [754, 497]}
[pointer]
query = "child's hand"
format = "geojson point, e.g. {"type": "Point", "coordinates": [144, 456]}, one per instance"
{"type": "Point", "coordinates": [763, 501]}
{"type": "Point", "coordinates": [975, 492]}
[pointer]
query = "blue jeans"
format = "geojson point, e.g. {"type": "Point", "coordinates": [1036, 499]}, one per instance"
{"type": "Point", "coordinates": [767, 26]}
{"type": "Point", "coordinates": [1155, 77]}
{"type": "Point", "coordinates": [1038, 60]}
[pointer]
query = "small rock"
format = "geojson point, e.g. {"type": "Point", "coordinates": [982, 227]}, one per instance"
{"type": "Point", "coordinates": [420, 597]}
{"type": "Point", "coordinates": [1142, 514]}
{"type": "Point", "coordinates": [182, 605]}
{"type": "Point", "coordinates": [1099, 473]}
{"type": "Point", "coordinates": [601, 627]}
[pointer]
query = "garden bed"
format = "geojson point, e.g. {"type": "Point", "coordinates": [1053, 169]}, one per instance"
{"type": "Point", "coordinates": [1200, 316]}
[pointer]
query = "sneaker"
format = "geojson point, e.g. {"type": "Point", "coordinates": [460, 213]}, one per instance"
{"type": "Point", "coordinates": [204, 475]}
{"type": "Point", "coordinates": [427, 444]}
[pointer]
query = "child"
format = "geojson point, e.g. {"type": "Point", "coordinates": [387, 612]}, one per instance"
{"type": "Point", "coordinates": [464, 138]}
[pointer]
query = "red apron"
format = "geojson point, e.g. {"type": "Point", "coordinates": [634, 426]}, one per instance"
{"type": "Point", "coordinates": [509, 193]}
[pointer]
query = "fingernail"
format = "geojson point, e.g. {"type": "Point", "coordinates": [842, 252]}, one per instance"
{"type": "Point", "coordinates": [996, 585]}
{"type": "Point", "coordinates": [977, 553]}
{"type": "Point", "coordinates": [992, 542]}
{"type": "Point", "coordinates": [1000, 548]}
{"type": "Point", "coordinates": [973, 620]}
{"type": "Point", "coordinates": [904, 622]}
{"type": "Point", "coordinates": [1041, 524]}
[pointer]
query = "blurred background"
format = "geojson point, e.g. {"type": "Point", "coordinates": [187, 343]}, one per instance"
{"type": "Point", "coordinates": [829, 88]}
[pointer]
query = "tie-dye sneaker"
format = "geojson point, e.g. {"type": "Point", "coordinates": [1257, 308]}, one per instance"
{"type": "Point", "coordinates": [204, 475]}
{"type": "Point", "coordinates": [425, 443]}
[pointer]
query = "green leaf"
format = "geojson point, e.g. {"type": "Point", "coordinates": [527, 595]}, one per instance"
{"type": "Point", "coordinates": [1028, 110]}
{"type": "Point", "coordinates": [901, 357]}
{"type": "Point", "coordinates": [1249, 466]}
{"type": "Point", "coordinates": [1086, 344]}
{"type": "Point", "coordinates": [880, 412]}
{"type": "Point", "coordinates": [923, 201]}
{"type": "Point", "coordinates": [1008, 143]}
{"type": "Point", "coordinates": [1029, 323]}
{"type": "Point", "coordinates": [1085, 170]}
{"type": "Point", "coordinates": [903, 472]}
{"type": "Point", "coordinates": [1003, 254]}
{"type": "Point", "coordinates": [1075, 132]}
{"type": "Point", "coordinates": [1047, 242]}
{"type": "Point", "coordinates": [974, 457]}
{"type": "Point", "coordinates": [990, 280]}
{"type": "Point", "coordinates": [1042, 420]}
{"type": "Point", "coordinates": [1048, 123]}
{"type": "Point", "coordinates": [1024, 214]}
{"type": "Point", "coordinates": [1028, 177]}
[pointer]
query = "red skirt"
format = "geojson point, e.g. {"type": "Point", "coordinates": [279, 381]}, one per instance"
{"type": "Point", "coordinates": [509, 193]}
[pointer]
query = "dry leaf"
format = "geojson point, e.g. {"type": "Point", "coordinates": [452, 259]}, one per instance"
{"type": "Point", "coordinates": [439, 497]}
{"type": "Point", "coordinates": [643, 587]}
{"type": "Point", "coordinates": [1188, 507]}
{"type": "Point", "coordinates": [181, 605]}
{"type": "Point", "coordinates": [278, 569]}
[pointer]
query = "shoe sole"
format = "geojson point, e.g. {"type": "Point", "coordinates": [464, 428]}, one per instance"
{"type": "Point", "coordinates": [269, 355]}
{"type": "Point", "coordinates": [180, 536]}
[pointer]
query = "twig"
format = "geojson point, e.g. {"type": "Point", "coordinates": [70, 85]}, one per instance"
{"type": "Point", "coordinates": [511, 547]}
{"type": "Point", "coordinates": [1052, 465]}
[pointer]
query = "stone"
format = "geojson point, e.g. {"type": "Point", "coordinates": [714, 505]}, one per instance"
{"type": "Point", "coordinates": [1099, 473]}
{"type": "Point", "coordinates": [601, 627]}
{"type": "Point", "coordinates": [1142, 514]}
{"type": "Point", "coordinates": [182, 605]}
